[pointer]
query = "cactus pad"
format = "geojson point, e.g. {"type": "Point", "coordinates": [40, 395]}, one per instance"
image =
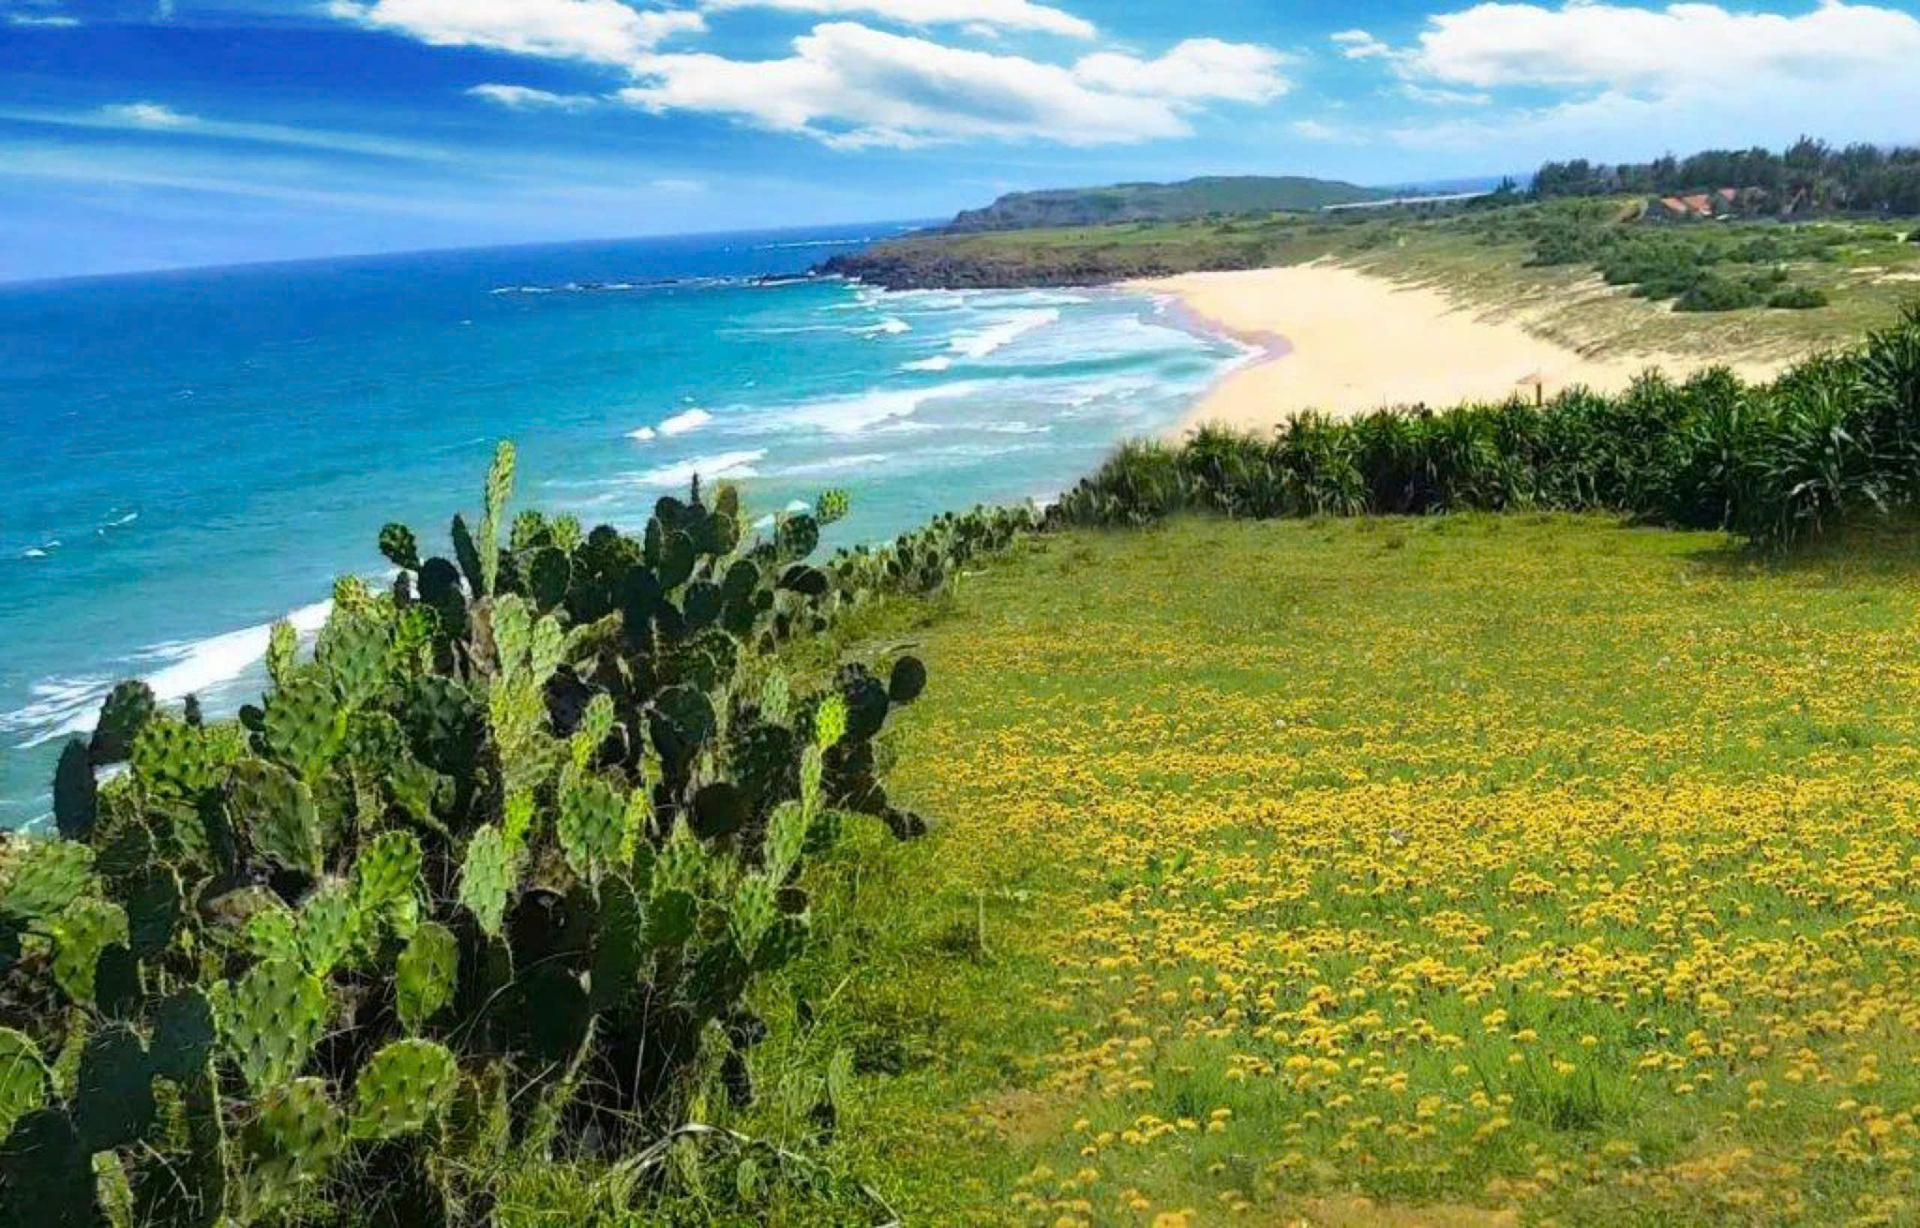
{"type": "Point", "coordinates": [295, 1138]}
{"type": "Point", "coordinates": [113, 1093]}
{"type": "Point", "coordinates": [283, 651]}
{"type": "Point", "coordinates": [127, 708]}
{"type": "Point", "coordinates": [909, 678]}
{"type": "Point", "coordinates": [153, 910]}
{"type": "Point", "coordinates": [183, 1036]}
{"type": "Point", "coordinates": [43, 878]}
{"type": "Point", "coordinates": [591, 825]}
{"type": "Point", "coordinates": [356, 651]}
{"type": "Point", "coordinates": [596, 725]}
{"type": "Point", "coordinates": [548, 577]}
{"type": "Point", "coordinates": [832, 505]}
{"type": "Point", "coordinates": [48, 1175]}
{"type": "Point", "coordinates": [275, 1014]}
{"type": "Point", "coordinates": [332, 925]}
{"type": "Point", "coordinates": [276, 811]}
{"type": "Point", "coordinates": [424, 978]}
{"type": "Point", "coordinates": [486, 876]}
{"type": "Point", "coordinates": [80, 933]}
{"type": "Point", "coordinates": [444, 724]}
{"type": "Point", "coordinates": [402, 1088]}
{"type": "Point", "coordinates": [398, 544]}
{"type": "Point", "coordinates": [830, 722]}
{"type": "Point", "coordinates": [388, 870]}
{"type": "Point", "coordinates": [797, 536]}
{"type": "Point", "coordinates": [76, 795]}
{"type": "Point", "coordinates": [23, 1079]}
{"type": "Point", "coordinates": [302, 727]}
{"type": "Point", "coordinates": [272, 933]}
{"type": "Point", "coordinates": [172, 759]}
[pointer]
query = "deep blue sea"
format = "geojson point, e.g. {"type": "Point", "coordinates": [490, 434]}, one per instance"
{"type": "Point", "coordinates": [190, 456]}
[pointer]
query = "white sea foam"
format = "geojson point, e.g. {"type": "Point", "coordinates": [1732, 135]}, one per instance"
{"type": "Point", "coordinates": [642, 433]}
{"type": "Point", "coordinates": [1015, 428]}
{"type": "Point", "coordinates": [718, 465]}
{"type": "Point", "coordinates": [1002, 332]}
{"type": "Point", "coordinates": [939, 362]}
{"type": "Point", "coordinates": [768, 247]}
{"type": "Point", "coordinates": [862, 411]}
{"type": "Point", "coordinates": [832, 464]}
{"type": "Point", "coordinates": [62, 707]}
{"type": "Point", "coordinates": [799, 505]}
{"type": "Point", "coordinates": [681, 423]}
{"type": "Point", "coordinates": [892, 326]}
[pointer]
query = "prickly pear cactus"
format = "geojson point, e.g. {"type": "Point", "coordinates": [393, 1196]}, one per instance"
{"type": "Point", "coordinates": [402, 1089]}
{"type": "Point", "coordinates": [276, 810]}
{"type": "Point", "coordinates": [591, 826]}
{"type": "Point", "coordinates": [124, 713]}
{"type": "Point", "coordinates": [333, 927]}
{"type": "Point", "coordinates": [542, 812]}
{"type": "Point", "coordinates": [80, 933]}
{"type": "Point", "coordinates": [274, 1016]}
{"type": "Point", "coordinates": [43, 877]}
{"type": "Point", "coordinates": [485, 879]}
{"type": "Point", "coordinates": [23, 1078]}
{"type": "Point", "coordinates": [304, 723]}
{"type": "Point", "coordinates": [113, 1101]}
{"type": "Point", "coordinates": [294, 1140]}
{"type": "Point", "coordinates": [425, 975]}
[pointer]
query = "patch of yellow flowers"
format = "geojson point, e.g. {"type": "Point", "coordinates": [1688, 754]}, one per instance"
{"type": "Point", "coordinates": [1553, 880]}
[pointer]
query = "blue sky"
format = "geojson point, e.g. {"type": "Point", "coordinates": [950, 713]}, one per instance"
{"type": "Point", "coordinates": [155, 133]}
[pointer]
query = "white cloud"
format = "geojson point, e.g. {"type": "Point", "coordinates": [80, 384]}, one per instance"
{"type": "Point", "coordinates": [854, 87]}
{"type": "Point", "coordinates": [526, 98]}
{"type": "Point", "coordinates": [991, 14]}
{"type": "Point", "coordinates": [1433, 96]}
{"type": "Point", "coordinates": [1617, 47]}
{"type": "Point", "coordinates": [1635, 81]}
{"type": "Point", "coordinates": [1360, 45]}
{"type": "Point", "coordinates": [1314, 130]}
{"type": "Point", "coordinates": [679, 187]}
{"type": "Point", "coordinates": [46, 20]}
{"type": "Point", "coordinates": [148, 115]}
{"type": "Point", "coordinates": [849, 85]}
{"type": "Point", "coordinates": [1199, 68]}
{"type": "Point", "coordinates": [597, 31]}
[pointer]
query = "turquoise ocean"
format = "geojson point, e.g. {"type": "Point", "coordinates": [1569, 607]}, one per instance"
{"type": "Point", "coordinates": [191, 456]}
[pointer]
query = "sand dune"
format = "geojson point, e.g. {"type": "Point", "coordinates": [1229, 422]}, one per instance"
{"type": "Point", "coordinates": [1359, 342]}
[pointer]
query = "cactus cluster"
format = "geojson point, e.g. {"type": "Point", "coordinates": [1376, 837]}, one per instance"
{"type": "Point", "coordinates": [504, 852]}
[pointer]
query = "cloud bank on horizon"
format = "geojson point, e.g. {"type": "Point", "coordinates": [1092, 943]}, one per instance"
{"type": "Point", "coordinates": [303, 127]}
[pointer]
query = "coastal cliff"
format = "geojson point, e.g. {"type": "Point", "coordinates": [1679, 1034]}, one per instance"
{"type": "Point", "coordinates": [1000, 262]}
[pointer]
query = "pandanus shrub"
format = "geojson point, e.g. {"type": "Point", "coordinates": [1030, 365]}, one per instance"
{"type": "Point", "coordinates": [490, 872]}
{"type": "Point", "coordinates": [1836, 435]}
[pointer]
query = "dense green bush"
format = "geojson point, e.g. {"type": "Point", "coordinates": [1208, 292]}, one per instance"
{"type": "Point", "coordinates": [1701, 267]}
{"type": "Point", "coordinates": [486, 878]}
{"type": "Point", "coordinates": [1798, 298]}
{"type": "Point", "coordinates": [1834, 435]}
{"type": "Point", "coordinates": [1715, 292]}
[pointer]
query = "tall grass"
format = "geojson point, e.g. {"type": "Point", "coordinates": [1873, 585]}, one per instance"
{"type": "Point", "coordinates": [1836, 435]}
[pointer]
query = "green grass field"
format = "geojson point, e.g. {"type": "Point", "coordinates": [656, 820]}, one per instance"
{"type": "Point", "coordinates": [1454, 871]}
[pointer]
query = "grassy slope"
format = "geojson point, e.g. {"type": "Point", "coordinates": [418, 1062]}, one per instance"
{"type": "Point", "coordinates": [1485, 863]}
{"type": "Point", "coordinates": [1471, 255]}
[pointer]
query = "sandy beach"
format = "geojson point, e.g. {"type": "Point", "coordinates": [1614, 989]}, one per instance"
{"type": "Point", "coordinates": [1354, 342]}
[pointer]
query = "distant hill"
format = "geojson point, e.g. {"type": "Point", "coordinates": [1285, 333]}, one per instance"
{"type": "Point", "coordinates": [1157, 202]}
